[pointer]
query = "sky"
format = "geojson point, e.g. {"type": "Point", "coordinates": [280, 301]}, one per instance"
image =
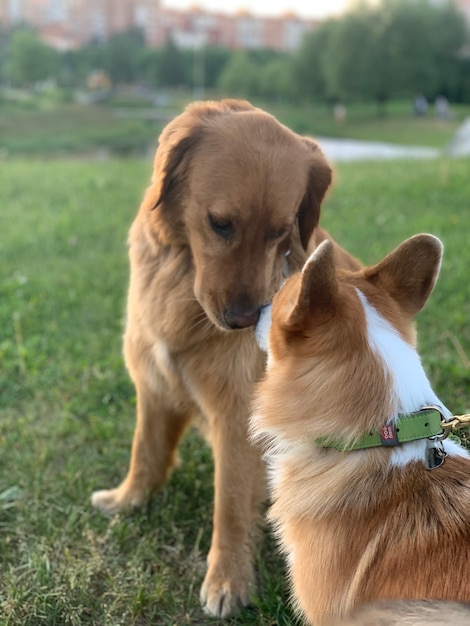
{"type": "Point", "coordinates": [303, 8]}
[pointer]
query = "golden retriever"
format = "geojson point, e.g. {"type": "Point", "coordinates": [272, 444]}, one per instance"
{"type": "Point", "coordinates": [234, 201]}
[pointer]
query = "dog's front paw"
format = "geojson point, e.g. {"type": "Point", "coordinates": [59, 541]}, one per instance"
{"type": "Point", "coordinates": [226, 589]}
{"type": "Point", "coordinates": [119, 500]}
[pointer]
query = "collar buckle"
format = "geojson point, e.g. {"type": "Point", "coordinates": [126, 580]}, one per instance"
{"type": "Point", "coordinates": [445, 430]}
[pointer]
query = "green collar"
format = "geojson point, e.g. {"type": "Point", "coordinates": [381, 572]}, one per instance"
{"type": "Point", "coordinates": [410, 427]}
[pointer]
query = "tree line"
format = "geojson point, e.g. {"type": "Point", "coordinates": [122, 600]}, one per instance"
{"type": "Point", "coordinates": [391, 49]}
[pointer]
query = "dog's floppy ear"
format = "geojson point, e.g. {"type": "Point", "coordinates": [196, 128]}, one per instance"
{"type": "Point", "coordinates": [178, 139]}
{"type": "Point", "coordinates": [318, 182]}
{"type": "Point", "coordinates": [172, 160]}
{"type": "Point", "coordinates": [318, 288]}
{"type": "Point", "coordinates": [409, 273]}
{"type": "Point", "coordinates": [176, 147]}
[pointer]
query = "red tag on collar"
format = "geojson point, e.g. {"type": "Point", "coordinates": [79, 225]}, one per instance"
{"type": "Point", "coordinates": [388, 435]}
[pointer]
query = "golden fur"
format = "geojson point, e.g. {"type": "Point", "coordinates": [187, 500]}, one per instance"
{"type": "Point", "coordinates": [356, 526]}
{"type": "Point", "coordinates": [234, 200]}
{"type": "Point", "coordinates": [408, 613]}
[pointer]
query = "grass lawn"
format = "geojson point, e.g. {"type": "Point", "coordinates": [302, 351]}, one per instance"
{"type": "Point", "coordinates": [73, 128]}
{"type": "Point", "coordinates": [67, 406]}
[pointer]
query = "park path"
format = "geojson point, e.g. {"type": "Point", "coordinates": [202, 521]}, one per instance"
{"type": "Point", "coordinates": [355, 150]}
{"type": "Point", "coordinates": [338, 150]}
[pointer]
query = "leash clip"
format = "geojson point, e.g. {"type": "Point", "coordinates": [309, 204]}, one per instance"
{"type": "Point", "coordinates": [436, 454]}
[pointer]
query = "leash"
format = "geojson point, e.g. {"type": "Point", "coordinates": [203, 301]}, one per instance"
{"type": "Point", "coordinates": [459, 425]}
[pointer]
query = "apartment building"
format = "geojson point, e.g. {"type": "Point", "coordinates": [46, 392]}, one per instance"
{"type": "Point", "coordinates": [68, 24]}
{"type": "Point", "coordinates": [243, 30]}
{"type": "Point", "coordinates": [72, 23]}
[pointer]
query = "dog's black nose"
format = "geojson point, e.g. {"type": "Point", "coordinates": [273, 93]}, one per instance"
{"type": "Point", "coordinates": [241, 318]}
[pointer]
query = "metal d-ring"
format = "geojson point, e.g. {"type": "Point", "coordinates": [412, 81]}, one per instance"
{"type": "Point", "coordinates": [445, 432]}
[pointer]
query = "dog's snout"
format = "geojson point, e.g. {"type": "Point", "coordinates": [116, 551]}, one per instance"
{"type": "Point", "coordinates": [241, 318]}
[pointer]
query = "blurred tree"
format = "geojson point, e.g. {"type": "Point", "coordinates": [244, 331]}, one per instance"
{"type": "Point", "coordinates": [215, 59]}
{"type": "Point", "coordinates": [174, 66]}
{"type": "Point", "coordinates": [241, 76]}
{"type": "Point", "coordinates": [409, 39]}
{"type": "Point", "coordinates": [123, 56]}
{"type": "Point", "coordinates": [31, 60]}
{"type": "Point", "coordinates": [277, 80]}
{"type": "Point", "coordinates": [4, 59]}
{"type": "Point", "coordinates": [149, 65]}
{"type": "Point", "coordinates": [262, 56]}
{"type": "Point", "coordinates": [423, 39]}
{"type": "Point", "coordinates": [461, 89]}
{"type": "Point", "coordinates": [396, 48]}
{"type": "Point", "coordinates": [450, 37]}
{"type": "Point", "coordinates": [348, 51]}
{"type": "Point", "coordinates": [77, 65]}
{"type": "Point", "coordinates": [310, 61]}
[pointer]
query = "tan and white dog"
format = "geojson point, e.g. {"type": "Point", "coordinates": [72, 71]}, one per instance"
{"type": "Point", "coordinates": [358, 512]}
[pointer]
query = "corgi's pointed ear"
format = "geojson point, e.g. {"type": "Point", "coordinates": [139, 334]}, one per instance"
{"type": "Point", "coordinates": [318, 287]}
{"type": "Point", "coordinates": [409, 273]}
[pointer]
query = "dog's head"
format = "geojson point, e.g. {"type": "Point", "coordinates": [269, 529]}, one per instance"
{"type": "Point", "coordinates": [242, 193]}
{"type": "Point", "coordinates": [337, 340]}
{"type": "Point", "coordinates": [322, 305]}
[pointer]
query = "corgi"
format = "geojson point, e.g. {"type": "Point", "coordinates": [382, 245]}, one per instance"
{"type": "Point", "coordinates": [370, 501]}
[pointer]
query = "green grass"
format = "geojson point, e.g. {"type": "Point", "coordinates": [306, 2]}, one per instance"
{"type": "Point", "coordinates": [73, 129]}
{"type": "Point", "coordinates": [67, 406]}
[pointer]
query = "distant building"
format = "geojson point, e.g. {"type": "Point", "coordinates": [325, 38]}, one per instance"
{"type": "Point", "coordinates": [68, 24]}
{"type": "Point", "coordinates": [464, 6]}
{"type": "Point", "coordinates": [243, 30]}
{"type": "Point", "coordinates": [13, 12]}
{"type": "Point", "coordinates": [72, 23]}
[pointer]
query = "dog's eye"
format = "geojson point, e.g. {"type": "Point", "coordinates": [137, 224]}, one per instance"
{"type": "Point", "coordinates": [221, 226]}
{"type": "Point", "coordinates": [278, 234]}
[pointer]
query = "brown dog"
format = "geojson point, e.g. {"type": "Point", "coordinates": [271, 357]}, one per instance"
{"type": "Point", "coordinates": [353, 432]}
{"type": "Point", "coordinates": [234, 200]}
